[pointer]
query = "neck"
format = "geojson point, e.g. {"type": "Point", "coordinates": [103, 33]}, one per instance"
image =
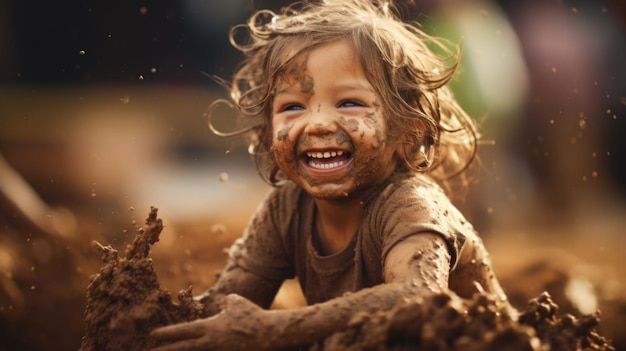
{"type": "Point", "coordinates": [338, 221]}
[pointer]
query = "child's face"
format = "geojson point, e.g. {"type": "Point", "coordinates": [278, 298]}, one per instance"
{"type": "Point", "coordinates": [329, 129]}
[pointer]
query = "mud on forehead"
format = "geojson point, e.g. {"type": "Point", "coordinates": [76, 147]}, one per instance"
{"type": "Point", "coordinates": [295, 73]}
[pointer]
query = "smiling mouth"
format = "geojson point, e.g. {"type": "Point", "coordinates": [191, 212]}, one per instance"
{"type": "Point", "coordinates": [327, 159]}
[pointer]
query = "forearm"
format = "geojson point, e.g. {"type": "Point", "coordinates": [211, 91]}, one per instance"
{"type": "Point", "coordinates": [306, 325]}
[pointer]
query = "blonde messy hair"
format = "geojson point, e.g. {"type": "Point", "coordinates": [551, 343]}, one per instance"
{"type": "Point", "coordinates": [436, 134]}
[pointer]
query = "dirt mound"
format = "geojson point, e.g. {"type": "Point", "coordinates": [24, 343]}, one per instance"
{"type": "Point", "coordinates": [445, 322]}
{"type": "Point", "coordinates": [125, 301]}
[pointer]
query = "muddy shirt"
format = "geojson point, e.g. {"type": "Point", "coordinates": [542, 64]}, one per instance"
{"type": "Point", "coordinates": [279, 242]}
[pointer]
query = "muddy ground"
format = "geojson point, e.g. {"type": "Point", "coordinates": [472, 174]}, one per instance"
{"type": "Point", "coordinates": [125, 302]}
{"type": "Point", "coordinates": [99, 179]}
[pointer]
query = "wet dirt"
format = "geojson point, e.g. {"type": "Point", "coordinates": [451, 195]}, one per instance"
{"type": "Point", "coordinates": [125, 302]}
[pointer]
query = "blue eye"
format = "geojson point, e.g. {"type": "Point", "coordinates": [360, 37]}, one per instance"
{"type": "Point", "coordinates": [292, 107]}
{"type": "Point", "coordinates": [350, 103]}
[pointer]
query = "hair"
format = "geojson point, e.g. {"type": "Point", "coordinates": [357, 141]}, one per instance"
{"type": "Point", "coordinates": [436, 135]}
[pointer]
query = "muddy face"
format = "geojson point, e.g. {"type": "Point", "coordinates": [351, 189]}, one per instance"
{"type": "Point", "coordinates": [329, 132]}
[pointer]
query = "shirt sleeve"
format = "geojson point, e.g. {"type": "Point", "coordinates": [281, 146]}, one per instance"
{"type": "Point", "coordinates": [419, 207]}
{"type": "Point", "coordinates": [262, 249]}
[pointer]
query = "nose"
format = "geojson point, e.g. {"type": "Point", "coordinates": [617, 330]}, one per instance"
{"type": "Point", "coordinates": [321, 121]}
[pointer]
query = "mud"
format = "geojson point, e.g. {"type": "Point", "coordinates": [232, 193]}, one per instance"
{"type": "Point", "coordinates": [446, 322]}
{"type": "Point", "coordinates": [125, 302]}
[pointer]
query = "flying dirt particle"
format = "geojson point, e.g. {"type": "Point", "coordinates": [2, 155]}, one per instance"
{"type": "Point", "coordinates": [131, 208]}
{"type": "Point", "coordinates": [218, 228]}
{"type": "Point", "coordinates": [227, 152]}
{"type": "Point", "coordinates": [574, 10]}
{"type": "Point", "coordinates": [140, 77]}
{"type": "Point", "coordinates": [594, 174]}
{"type": "Point", "coordinates": [553, 69]}
{"type": "Point", "coordinates": [82, 52]}
{"type": "Point", "coordinates": [582, 123]}
{"type": "Point", "coordinates": [153, 70]}
{"type": "Point", "coordinates": [484, 13]}
{"type": "Point", "coordinates": [143, 10]}
{"type": "Point", "coordinates": [125, 99]}
{"type": "Point", "coordinates": [223, 177]}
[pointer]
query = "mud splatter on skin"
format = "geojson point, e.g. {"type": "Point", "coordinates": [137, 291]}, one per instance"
{"type": "Point", "coordinates": [283, 134]}
{"type": "Point", "coordinates": [351, 125]}
{"type": "Point", "coordinates": [296, 73]}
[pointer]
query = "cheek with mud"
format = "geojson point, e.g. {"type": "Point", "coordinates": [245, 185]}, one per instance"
{"type": "Point", "coordinates": [283, 134]}
{"type": "Point", "coordinates": [372, 123]}
{"type": "Point", "coordinates": [282, 147]}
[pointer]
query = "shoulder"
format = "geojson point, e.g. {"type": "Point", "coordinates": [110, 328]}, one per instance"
{"type": "Point", "coordinates": [408, 188]}
{"type": "Point", "coordinates": [410, 204]}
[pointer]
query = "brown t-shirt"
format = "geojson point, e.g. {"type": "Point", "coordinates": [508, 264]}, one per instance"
{"type": "Point", "coordinates": [279, 241]}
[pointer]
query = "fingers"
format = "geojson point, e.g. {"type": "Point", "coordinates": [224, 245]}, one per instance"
{"type": "Point", "coordinates": [190, 330]}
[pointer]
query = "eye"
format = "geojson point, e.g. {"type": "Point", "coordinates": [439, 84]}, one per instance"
{"type": "Point", "coordinates": [291, 107]}
{"type": "Point", "coordinates": [351, 103]}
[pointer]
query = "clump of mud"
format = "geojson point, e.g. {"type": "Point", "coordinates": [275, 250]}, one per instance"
{"type": "Point", "coordinates": [125, 301]}
{"type": "Point", "coordinates": [445, 322]}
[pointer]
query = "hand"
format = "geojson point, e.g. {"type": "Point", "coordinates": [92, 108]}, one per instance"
{"type": "Point", "coordinates": [242, 325]}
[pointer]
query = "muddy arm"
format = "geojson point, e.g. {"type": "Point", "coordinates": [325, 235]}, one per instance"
{"type": "Point", "coordinates": [236, 280]}
{"type": "Point", "coordinates": [416, 266]}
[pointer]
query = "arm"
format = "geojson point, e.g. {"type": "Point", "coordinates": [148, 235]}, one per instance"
{"type": "Point", "coordinates": [236, 280]}
{"type": "Point", "coordinates": [416, 266]}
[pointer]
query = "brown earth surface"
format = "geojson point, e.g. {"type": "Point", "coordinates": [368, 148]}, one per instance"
{"type": "Point", "coordinates": [125, 302]}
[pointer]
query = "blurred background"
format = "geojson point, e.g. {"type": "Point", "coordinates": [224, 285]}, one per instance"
{"type": "Point", "coordinates": [102, 115]}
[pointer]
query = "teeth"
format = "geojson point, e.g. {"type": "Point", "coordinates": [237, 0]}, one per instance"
{"type": "Point", "coordinates": [325, 165]}
{"type": "Point", "coordinates": [327, 154]}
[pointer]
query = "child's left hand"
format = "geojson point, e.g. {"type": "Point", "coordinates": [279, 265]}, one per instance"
{"type": "Point", "coordinates": [235, 328]}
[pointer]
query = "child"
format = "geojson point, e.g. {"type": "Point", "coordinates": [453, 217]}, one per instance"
{"type": "Point", "coordinates": [352, 125]}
